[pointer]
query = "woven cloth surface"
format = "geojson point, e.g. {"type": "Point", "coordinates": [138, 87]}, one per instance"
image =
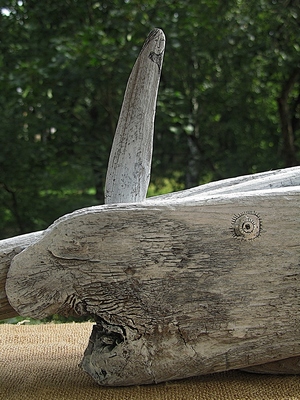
{"type": "Point", "coordinates": [41, 362]}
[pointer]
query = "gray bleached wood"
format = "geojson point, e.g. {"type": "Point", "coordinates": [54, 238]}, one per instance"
{"type": "Point", "coordinates": [128, 172]}
{"type": "Point", "coordinates": [282, 178]}
{"type": "Point", "coordinates": [178, 288]}
{"type": "Point", "coordinates": [8, 249]}
{"type": "Point", "coordinates": [134, 339]}
{"type": "Point", "coordinates": [266, 180]}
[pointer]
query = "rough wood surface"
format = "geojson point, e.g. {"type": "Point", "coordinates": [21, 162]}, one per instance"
{"type": "Point", "coordinates": [129, 167]}
{"type": "Point", "coordinates": [128, 172]}
{"type": "Point", "coordinates": [204, 283]}
{"type": "Point", "coordinates": [134, 332]}
{"type": "Point", "coordinates": [8, 249]}
{"type": "Point", "coordinates": [266, 180]}
{"type": "Point", "coordinates": [282, 178]}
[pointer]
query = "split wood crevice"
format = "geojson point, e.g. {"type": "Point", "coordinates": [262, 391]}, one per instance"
{"type": "Point", "coordinates": [189, 283]}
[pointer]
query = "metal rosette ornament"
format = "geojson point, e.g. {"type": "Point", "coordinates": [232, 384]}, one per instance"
{"type": "Point", "coordinates": [246, 225]}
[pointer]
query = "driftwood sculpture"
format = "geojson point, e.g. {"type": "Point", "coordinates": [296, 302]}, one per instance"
{"type": "Point", "coordinates": [189, 283]}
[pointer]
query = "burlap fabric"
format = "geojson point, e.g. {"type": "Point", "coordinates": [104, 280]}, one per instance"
{"type": "Point", "coordinates": [41, 362]}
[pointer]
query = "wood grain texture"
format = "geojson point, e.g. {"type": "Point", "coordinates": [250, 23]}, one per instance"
{"type": "Point", "coordinates": [176, 289]}
{"type": "Point", "coordinates": [188, 283]}
{"type": "Point", "coordinates": [128, 172]}
{"type": "Point", "coordinates": [8, 249]}
{"type": "Point", "coordinates": [266, 180]}
{"type": "Point", "coordinates": [130, 160]}
{"type": "Point", "coordinates": [281, 178]}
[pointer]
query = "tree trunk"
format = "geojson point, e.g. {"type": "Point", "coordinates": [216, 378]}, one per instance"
{"type": "Point", "coordinates": [286, 119]}
{"type": "Point", "coordinates": [193, 171]}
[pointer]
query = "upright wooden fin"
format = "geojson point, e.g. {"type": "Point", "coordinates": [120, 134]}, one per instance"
{"type": "Point", "coordinates": [129, 165]}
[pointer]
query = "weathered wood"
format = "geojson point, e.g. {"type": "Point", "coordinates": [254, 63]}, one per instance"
{"type": "Point", "coordinates": [282, 178]}
{"type": "Point", "coordinates": [189, 286]}
{"type": "Point", "coordinates": [127, 181]}
{"type": "Point", "coordinates": [266, 180]}
{"type": "Point", "coordinates": [8, 249]}
{"type": "Point", "coordinates": [128, 172]}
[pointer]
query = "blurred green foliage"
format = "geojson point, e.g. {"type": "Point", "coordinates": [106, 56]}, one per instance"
{"type": "Point", "coordinates": [229, 99]}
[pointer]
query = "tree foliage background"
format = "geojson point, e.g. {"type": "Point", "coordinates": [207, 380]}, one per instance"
{"type": "Point", "coordinates": [229, 99]}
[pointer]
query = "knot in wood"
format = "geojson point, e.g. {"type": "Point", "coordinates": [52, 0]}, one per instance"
{"type": "Point", "coordinates": [246, 225]}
